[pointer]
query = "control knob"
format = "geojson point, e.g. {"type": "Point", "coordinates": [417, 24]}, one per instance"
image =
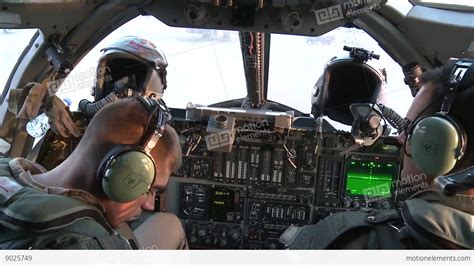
{"type": "Point", "coordinates": [223, 242]}
{"type": "Point", "coordinates": [347, 202]}
{"type": "Point", "coordinates": [356, 204]}
{"type": "Point", "coordinates": [235, 235]}
{"type": "Point", "coordinates": [202, 232]}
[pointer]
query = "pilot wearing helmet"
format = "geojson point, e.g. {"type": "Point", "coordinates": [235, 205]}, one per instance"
{"type": "Point", "coordinates": [438, 144]}
{"type": "Point", "coordinates": [129, 66]}
{"type": "Point", "coordinates": [351, 77]}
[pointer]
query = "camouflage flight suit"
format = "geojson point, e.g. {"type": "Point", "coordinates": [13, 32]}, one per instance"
{"type": "Point", "coordinates": [428, 220]}
{"type": "Point", "coordinates": [36, 217]}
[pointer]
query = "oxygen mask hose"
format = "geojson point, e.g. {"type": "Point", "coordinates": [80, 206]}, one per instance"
{"type": "Point", "coordinates": [392, 117]}
{"type": "Point", "coordinates": [91, 108]}
{"type": "Point", "coordinates": [121, 89]}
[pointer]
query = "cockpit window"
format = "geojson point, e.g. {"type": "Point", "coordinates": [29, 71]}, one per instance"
{"type": "Point", "coordinates": [297, 62]}
{"type": "Point", "coordinates": [204, 66]}
{"type": "Point", "coordinates": [12, 44]}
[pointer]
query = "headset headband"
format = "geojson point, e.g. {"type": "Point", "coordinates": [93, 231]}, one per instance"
{"type": "Point", "coordinates": [458, 72]}
{"type": "Point", "coordinates": [456, 76]}
{"type": "Point", "coordinates": [160, 115]}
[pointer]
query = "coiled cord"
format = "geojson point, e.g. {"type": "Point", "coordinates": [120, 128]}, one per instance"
{"type": "Point", "coordinates": [392, 117]}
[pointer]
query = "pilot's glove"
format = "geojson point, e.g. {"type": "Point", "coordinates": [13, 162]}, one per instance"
{"type": "Point", "coordinates": [61, 123]}
{"type": "Point", "coordinates": [33, 101]}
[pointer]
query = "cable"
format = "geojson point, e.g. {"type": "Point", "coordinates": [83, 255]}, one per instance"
{"type": "Point", "coordinates": [250, 46]}
{"type": "Point", "coordinates": [91, 108]}
{"type": "Point", "coordinates": [392, 117]}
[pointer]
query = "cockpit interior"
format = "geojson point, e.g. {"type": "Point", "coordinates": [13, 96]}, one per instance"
{"type": "Point", "coordinates": [261, 158]}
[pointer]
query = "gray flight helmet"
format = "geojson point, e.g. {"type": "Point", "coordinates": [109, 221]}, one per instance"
{"type": "Point", "coordinates": [345, 81]}
{"type": "Point", "coordinates": [133, 57]}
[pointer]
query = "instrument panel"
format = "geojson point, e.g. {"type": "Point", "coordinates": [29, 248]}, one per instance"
{"type": "Point", "coordinates": [246, 192]}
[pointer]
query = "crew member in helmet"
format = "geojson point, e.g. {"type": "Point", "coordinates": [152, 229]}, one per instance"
{"type": "Point", "coordinates": [352, 77]}
{"type": "Point", "coordinates": [129, 66]}
{"type": "Point", "coordinates": [439, 149]}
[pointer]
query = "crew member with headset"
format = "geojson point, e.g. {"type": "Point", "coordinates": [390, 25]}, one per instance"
{"type": "Point", "coordinates": [130, 66]}
{"type": "Point", "coordinates": [438, 143]}
{"type": "Point", "coordinates": [124, 158]}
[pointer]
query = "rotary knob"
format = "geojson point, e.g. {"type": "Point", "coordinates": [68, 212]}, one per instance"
{"type": "Point", "coordinates": [346, 202]}
{"type": "Point", "coordinates": [202, 232]}
{"type": "Point", "coordinates": [235, 235]}
{"type": "Point", "coordinates": [346, 144]}
{"type": "Point", "coordinates": [223, 243]}
{"type": "Point", "coordinates": [356, 204]}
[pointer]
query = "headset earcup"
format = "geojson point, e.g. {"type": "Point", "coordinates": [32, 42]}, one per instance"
{"type": "Point", "coordinates": [435, 145]}
{"type": "Point", "coordinates": [127, 175]}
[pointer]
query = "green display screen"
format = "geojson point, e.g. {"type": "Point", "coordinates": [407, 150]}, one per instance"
{"type": "Point", "coordinates": [370, 178]}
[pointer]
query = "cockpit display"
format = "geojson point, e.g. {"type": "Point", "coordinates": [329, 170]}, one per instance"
{"type": "Point", "coordinates": [222, 204]}
{"type": "Point", "coordinates": [370, 178]}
